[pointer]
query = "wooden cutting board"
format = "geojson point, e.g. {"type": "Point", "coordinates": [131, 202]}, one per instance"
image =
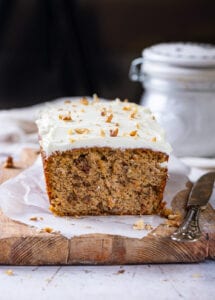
{"type": "Point", "coordinates": [23, 245]}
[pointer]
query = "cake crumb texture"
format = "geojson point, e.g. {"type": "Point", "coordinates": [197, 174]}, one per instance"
{"type": "Point", "coordinates": [102, 181]}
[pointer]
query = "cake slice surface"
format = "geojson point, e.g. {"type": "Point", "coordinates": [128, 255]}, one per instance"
{"type": "Point", "coordinates": [102, 157]}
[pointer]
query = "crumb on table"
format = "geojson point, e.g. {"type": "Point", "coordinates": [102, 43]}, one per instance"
{"type": "Point", "coordinates": [36, 218]}
{"type": "Point", "coordinates": [9, 272]}
{"type": "Point", "coordinates": [196, 275]}
{"type": "Point", "coordinates": [121, 271]}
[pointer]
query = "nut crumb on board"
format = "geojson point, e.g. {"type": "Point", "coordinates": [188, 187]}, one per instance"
{"type": "Point", "coordinates": [9, 272]}
{"type": "Point", "coordinates": [36, 218]}
{"type": "Point", "coordinates": [140, 225]}
{"type": "Point", "coordinates": [174, 220]}
{"type": "Point", "coordinates": [9, 162]}
{"type": "Point", "coordinates": [33, 219]}
{"type": "Point", "coordinates": [48, 229]}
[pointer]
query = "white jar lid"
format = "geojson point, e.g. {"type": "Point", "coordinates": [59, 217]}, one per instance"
{"type": "Point", "coordinates": [187, 60]}
{"type": "Point", "coordinates": [182, 54]}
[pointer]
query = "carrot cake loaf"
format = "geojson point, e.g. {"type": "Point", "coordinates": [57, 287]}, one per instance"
{"type": "Point", "coordinates": [102, 157]}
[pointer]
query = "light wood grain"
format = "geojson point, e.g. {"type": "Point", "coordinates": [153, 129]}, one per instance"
{"type": "Point", "coordinates": [23, 245]}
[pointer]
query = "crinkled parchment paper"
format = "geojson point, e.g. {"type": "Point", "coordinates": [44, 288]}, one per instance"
{"type": "Point", "coordinates": [24, 197]}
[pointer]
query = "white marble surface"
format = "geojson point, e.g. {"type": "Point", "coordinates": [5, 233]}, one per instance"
{"type": "Point", "coordinates": [163, 282]}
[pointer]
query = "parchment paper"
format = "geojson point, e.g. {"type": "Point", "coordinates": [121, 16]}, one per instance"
{"type": "Point", "coordinates": [25, 196]}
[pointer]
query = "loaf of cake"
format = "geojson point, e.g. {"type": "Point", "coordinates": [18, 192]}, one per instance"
{"type": "Point", "coordinates": [103, 157]}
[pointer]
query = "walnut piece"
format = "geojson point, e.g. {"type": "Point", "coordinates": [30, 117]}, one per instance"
{"type": "Point", "coordinates": [65, 117]}
{"type": "Point", "coordinates": [48, 229]}
{"type": "Point", "coordinates": [102, 133]}
{"type": "Point", "coordinates": [114, 132]}
{"type": "Point", "coordinates": [109, 118]}
{"type": "Point", "coordinates": [72, 140]}
{"type": "Point", "coordinates": [70, 131]}
{"type": "Point", "coordinates": [84, 101]}
{"type": "Point", "coordinates": [95, 98]}
{"type": "Point", "coordinates": [154, 139]}
{"type": "Point", "coordinates": [9, 162]}
{"type": "Point", "coordinates": [33, 219]}
{"type": "Point", "coordinates": [133, 133]}
{"type": "Point", "coordinates": [128, 108]}
{"type": "Point", "coordinates": [9, 272]}
{"type": "Point", "coordinates": [133, 114]}
{"type": "Point", "coordinates": [139, 225]}
{"type": "Point", "coordinates": [103, 112]}
{"type": "Point", "coordinates": [67, 101]}
{"type": "Point", "coordinates": [82, 130]}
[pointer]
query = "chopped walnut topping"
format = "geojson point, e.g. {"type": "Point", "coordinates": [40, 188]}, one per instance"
{"type": "Point", "coordinates": [70, 131]}
{"type": "Point", "coordinates": [117, 124]}
{"type": "Point", "coordinates": [9, 162]}
{"type": "Point", "coordinates": [72, 140]}
{"type": "Point", "coordinates": [65, 117]}
{"type": "Point", "coordinates": [138, 125]}
{"type": "Point", "coordinates": [84, 101]}
{"type": "Point", "coordinates": [9, 272]}
{"type": "Point", "coordinates": [114, 132]}
{"type": "Point", "coordinates": [103, 112]}
{"type": "Point", "coordinates": [133, 133]}
{"type": "Point", "coordinates": [102, 133]}
{"type": "Point", "coordinates": [109, 118]}
{"type": "Point", "coordinates": [82, 130]}
{"type": "Point", "coordinates": [33, 219]}
{"type": "Point", "coordinates": [133, 114]}
{"type": "Point", "coordinates": [95, 98]}
{"type": "Point", "coordinates": [82, 110]}
{"type": "Point", "coordinates": [153, 118]}
{"type": "Point", "coordinates": [128, 107]}
{"type": "Point", "coordinates": [67, 101]}
{"type": "Point", "coordinates": [154, 139]}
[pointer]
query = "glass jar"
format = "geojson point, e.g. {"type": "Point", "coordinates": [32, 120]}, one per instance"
{"type": "Point", "coordinates": [179, 82]}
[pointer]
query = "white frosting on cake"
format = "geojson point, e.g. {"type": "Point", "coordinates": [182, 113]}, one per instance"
{"type": "Point", "coordinates": [96, 123]}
